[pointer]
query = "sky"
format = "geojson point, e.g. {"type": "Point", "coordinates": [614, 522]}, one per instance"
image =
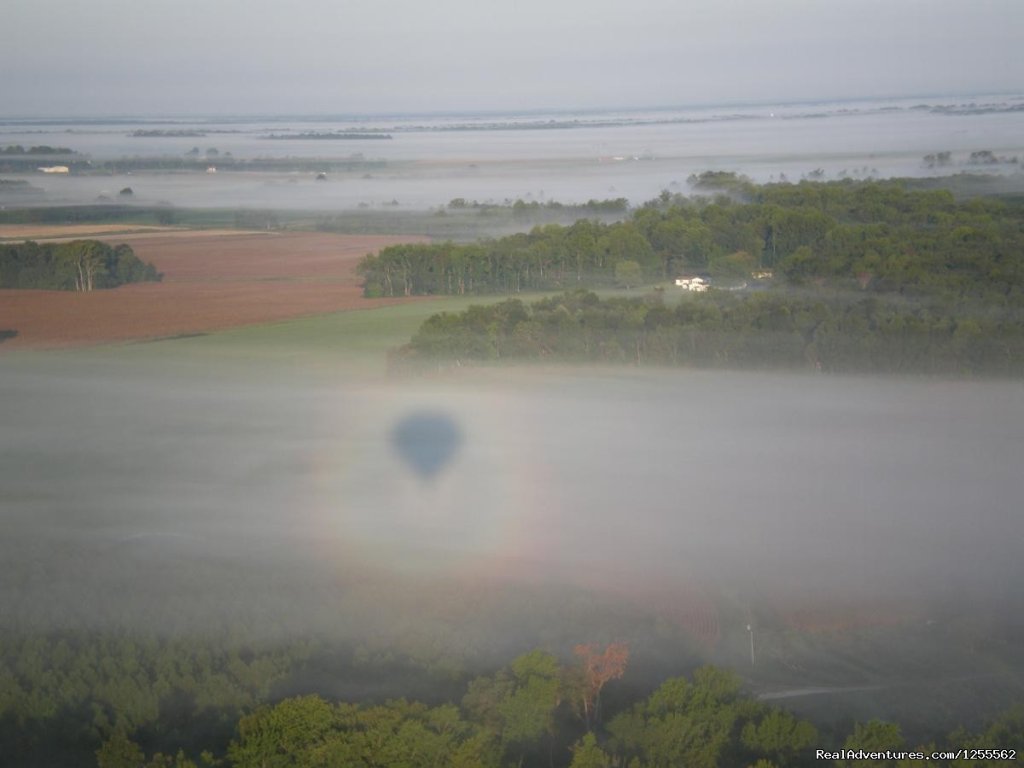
{"type": "Point", "coordinates": [180, 57]}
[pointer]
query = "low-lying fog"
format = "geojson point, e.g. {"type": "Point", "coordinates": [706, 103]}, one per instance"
{"type": "Point", "coordinates": [155, 496]}
{"type": "Point", "coordinates": [566, 157]}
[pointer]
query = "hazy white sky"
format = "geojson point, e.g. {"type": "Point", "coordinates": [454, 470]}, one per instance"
{"type": "Point", "coordinates": [68, 57]}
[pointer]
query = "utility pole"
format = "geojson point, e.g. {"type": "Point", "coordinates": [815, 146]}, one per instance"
{"type": "Point", "coordinates": [750, 629]}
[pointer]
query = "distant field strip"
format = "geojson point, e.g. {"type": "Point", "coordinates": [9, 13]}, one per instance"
{"type": "Point", "coordinates": [72, 231]}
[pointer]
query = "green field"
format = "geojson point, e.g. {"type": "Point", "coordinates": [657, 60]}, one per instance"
{"type": "Point", "coordinates": [349, 342]}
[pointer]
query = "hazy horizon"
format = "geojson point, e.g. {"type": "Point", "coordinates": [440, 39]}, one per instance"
{"type": "Point", "coordinates": [455, 112]}
{"type": "Point", "coordinates": [117, 57]}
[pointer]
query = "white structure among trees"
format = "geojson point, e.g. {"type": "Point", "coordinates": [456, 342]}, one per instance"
{"type": "Point", "coordinates": [692, 283]}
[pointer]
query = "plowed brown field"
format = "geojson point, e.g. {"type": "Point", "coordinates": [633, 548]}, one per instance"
{"type": "Point", "coordinates": [211, 281]}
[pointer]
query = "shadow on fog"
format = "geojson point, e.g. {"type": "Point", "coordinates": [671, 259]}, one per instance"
{"type": "Point", "coordinates": [426, 441]}
{"type": "Point", "coordinates": [513, 509]}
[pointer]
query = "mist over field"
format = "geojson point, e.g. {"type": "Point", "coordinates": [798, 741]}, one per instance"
{"type": "Point", "coordinates": [791, 490]}
{"type": "Point", "coordinates": [568, 156]}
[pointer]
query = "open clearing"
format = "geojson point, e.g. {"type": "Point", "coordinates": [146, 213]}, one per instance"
{"type": "Point", "coordinates": [212, 281]}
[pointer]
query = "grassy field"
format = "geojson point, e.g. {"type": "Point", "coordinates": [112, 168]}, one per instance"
{"type": "Point", "coordinates": [358, 340]}
{"type": "Point", "coordinates": [352, 342]}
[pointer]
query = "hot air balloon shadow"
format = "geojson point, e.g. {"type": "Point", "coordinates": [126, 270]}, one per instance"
{"type": "Point", "coordinates": [426, 441]}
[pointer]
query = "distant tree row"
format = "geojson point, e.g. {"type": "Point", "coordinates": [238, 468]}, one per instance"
{"type": "Point", "coordinates": [549, 257]}
{"type": "Point", "coordinates": [520, 206]}
{"type": "Point", "coordinates": [81, 265]}
{"type": "Point", "coordinates": [43, 149]}
{"type": "Point", "coordinates": [106, 213]}
{"type": "Point", "coordinates": [26, 162]}
{"type": "Point", "coordinates": [193, 161]}
{"type": "Point", "coordinates": [834, 332]}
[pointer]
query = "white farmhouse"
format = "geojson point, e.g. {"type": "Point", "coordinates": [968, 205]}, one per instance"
{"type": "Point", "coordinates": [697, 284]}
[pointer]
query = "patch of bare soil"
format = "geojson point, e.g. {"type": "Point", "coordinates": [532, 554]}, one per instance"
{"type": "Point", "coordinates": [212, 281]}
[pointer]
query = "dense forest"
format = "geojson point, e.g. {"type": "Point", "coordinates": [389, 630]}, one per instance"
{"type": "Point", "coordinates": [81, 265]}
{"type": "Point", "coordinates": [877, 237]}
{"type": "Point", "coordinates": [119, 702]}
{"type": "Point", "coordinates": [127, 659]}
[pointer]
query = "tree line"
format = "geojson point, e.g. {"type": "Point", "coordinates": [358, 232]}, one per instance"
{"type": "Point", "coordinates": [128, 700]}
{"type": "Point", "coordinates": [528, 714]}
{"type": "Point", "coordinates": [877, 236]}
{"type": "Point", "coordinates": [42, 149]}
{"type": "Point", "coordinates": [827, 332]}
{"type": "Point", "coordinates": [81, 265]}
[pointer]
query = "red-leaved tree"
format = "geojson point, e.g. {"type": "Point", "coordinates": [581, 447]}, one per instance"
{"type": "Point", "coordinates": [597, 668]}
